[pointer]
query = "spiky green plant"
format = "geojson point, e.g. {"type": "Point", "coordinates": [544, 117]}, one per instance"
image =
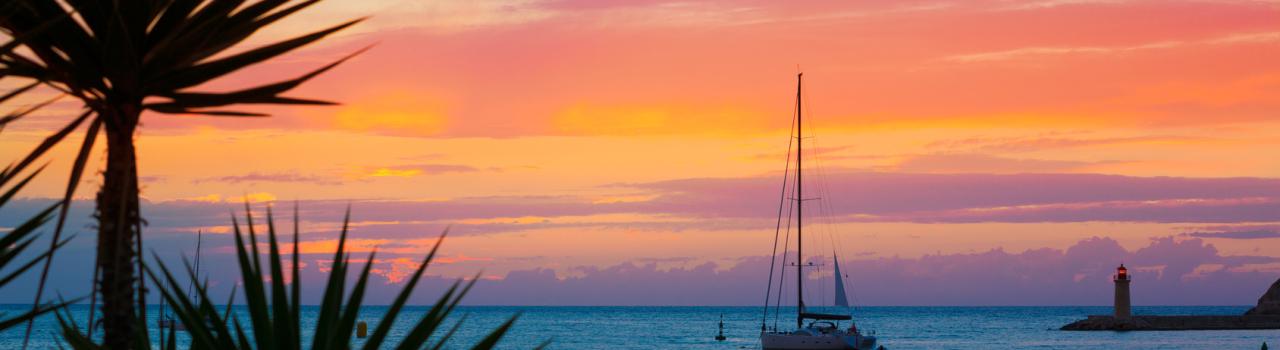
{"type": "Point", "coordinates": [121, 58]}
{"type": "Point", "coordinates": [18, 240]}
{"type": "Point", "coordinates": [274, 318]}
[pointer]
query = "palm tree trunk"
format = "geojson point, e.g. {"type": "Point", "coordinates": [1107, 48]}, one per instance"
{"type": "Point", "coordinates": [118, 219]}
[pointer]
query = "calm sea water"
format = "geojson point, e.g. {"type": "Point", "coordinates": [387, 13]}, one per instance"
{"type": "Point", "coordinates": [695, 327]}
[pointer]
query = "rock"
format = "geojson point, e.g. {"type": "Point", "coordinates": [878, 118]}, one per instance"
{"type": "Point", "coordinates": [1107, 323]}
{"type": "Point", "coordinates": [1269, 303]}
{"type": "Point", "coordinates": [1175, 323]}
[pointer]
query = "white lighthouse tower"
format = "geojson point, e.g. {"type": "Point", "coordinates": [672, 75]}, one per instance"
{"type": "Point", "coordinates": [1122, 292]}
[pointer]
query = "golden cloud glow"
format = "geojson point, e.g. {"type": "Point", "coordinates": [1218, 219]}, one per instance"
{"type": "Point", "coordinates": [257, 197]}
{"type": "Point", "coordinates": [388, 172]}
{"type": "Point", "coordinates": [588, 119]}
{"type": "Point", "coordinates": [395, 112]}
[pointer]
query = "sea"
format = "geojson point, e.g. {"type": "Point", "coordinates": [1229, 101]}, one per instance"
{"type": "Point", "coordinates": [684, 327]}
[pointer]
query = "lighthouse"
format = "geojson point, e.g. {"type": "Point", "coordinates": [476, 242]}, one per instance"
{"type": "Point", "coordinates": [1122, 292]}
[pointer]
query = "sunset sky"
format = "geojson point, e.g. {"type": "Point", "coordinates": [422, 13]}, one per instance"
{"type": "Point", "coordinates": [1014, 150]}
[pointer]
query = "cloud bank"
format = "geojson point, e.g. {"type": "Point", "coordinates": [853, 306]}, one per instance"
{"type": "Point", "coordinates": [1167, 271]}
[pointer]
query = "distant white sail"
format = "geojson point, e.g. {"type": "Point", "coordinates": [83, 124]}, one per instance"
{"type": "Point", "coordinates": [841, 299]}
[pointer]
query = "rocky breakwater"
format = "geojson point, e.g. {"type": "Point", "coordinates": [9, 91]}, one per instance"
{"type": "Point", "coordinates": [1174, 323]}
{"type": "Point", "coordinates": [1266, 315]}
{"type": "Point", "coordinates": [1269, 303]}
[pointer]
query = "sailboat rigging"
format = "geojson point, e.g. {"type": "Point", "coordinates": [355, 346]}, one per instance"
{"type": "Point", "coordinates": [167, 320]}
{"type": "Point", "coordinates": [823, 331]}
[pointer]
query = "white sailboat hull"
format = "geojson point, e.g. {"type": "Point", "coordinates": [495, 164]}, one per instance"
{"type": "Point", "coordinates": [803, 340]}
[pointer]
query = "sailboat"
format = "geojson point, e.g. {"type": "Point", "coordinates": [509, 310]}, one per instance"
{"type": "Point", "coordinates": [823, 330]}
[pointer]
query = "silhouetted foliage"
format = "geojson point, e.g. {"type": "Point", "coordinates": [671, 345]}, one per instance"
{"type": "Point", "coordinates": [120, 58]}
{"type": "Point", "coordinates": [274, 316]}
{"type": "Point", "coordinates": [18, 240]}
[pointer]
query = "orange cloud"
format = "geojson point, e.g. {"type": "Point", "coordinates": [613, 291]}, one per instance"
{"type": "Point", "coordinates": [394, 111]}
{"type": "Point", "coordinates": [589, 119]}
{"type": "Point", "coordinates": [388, 172]}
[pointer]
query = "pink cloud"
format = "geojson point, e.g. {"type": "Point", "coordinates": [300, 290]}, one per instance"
{"type": "Point", "coordinates": [871, 62]}
{"type": "Point", "coordinates": [1080, 275]}
{"type": "Point", "coordinates": [750, 203]}
{"type": "Point", "coordinates": [992, 198]}
{"type": "Point", "coordinates": [1246, 231]}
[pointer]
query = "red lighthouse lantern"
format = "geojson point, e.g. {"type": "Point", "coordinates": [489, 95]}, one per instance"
{"type": "Point", "coordinates": [1122, 273]}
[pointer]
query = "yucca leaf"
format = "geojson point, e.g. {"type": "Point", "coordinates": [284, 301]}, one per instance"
{"type": "Point", "coordinates": [205, 312]}
{"type": "Point", "coordinates": [71, 334]}
{"type": "Point", "coordinates": [254, 291]}
{"type": "Point", "coordinates": [211, 113]}
{"type": "Point", "coordinates": [384, 326]}
{"type": "Point", "coordinates": [243, 24]}
{"type": "Point", "coordinates": [92, 13]}
{"type": "Point", "coordinates": [252, 280]}
{"type": "Point", "coordinates": [241, 337]}
{"type": "Point", "coordinates": [334, 327]}
{"type": "Point", "coordinates": [171, 18]}
{"type": "Point", "coordinates": [10, 251]}
{"type": "Point", "coordinates": [33, 313]}
{"type": "Point", "coordinates": [183, 105]}
{"type": "Point", "coordinates": [421, 331]}
{"type": "Point", "coordinates": [279, 303]}
{"type": "Point", "coordinates": [295, 287]}
{"type": "Point", "coordinates": [12, 65]}
{"type": "Point", "coordinates": [265, 94]}
{"type": "Point", "coordinates": [449, 334]}
{"type": "Point", "coordinates": [112, 55]}
{"type": "Point", "coordinates": [4, 198]}
{"type": "Point", "coordinates": [18, 271]}
{"type": "Point", "coordinates": [173, 46]}
{"type": "Point", "coordinates": [10, 241]}
{"type": "Point", "coordinates": [12, 117]}
{"type": "Point", "coordinates": [18, 91]}
{"type": "Point", "coordinates": [64, 47]}
{"type": "Point", "coordinates": [230, 298]}
{"type": "Point", "coordinates": [333, 291]}
{"type": "Point", "coordinates": [182, 307]}
{"type": "Point", "coordinates": [200, 73]}
{"type": "Point", "coordinates": [436, 316]}
{"type": "Point", "coordinates": [173, 339]}
{"type": "Point", "coordinates": [49, 142]}
{"type": "Point", "coordinates": [123, 57]}
{"type": "Point", "coordinates": [253, 238]}
{"type": "Point", "coordinates": [346, 324]}
{"type": "Point", "coordinates": [20, 37]}
{"type": "Point", "coordinates": [490, 341]}
{"type": "Point", "coordinates": [77, 169]}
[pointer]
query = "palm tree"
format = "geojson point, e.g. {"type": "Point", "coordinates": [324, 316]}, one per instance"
{"type": "Point", "coordinates": [121, 58]}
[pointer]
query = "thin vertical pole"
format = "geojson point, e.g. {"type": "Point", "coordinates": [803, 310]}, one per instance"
{"type": "Point", "coordinates": [799, 204]}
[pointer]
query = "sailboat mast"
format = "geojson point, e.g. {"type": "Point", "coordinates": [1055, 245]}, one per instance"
{"type": "Point", "coordinates": [799, 204]}
{"type": "Point", "coordinates": [192, 283]}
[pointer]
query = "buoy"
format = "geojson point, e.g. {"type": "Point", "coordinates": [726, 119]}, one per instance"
{"type": "Point", "coordinates": [720, 337]}
{"type": "Point", "coordinates": [1264, 345]}
{"type": "Point", "coordinates": [362, 330]}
